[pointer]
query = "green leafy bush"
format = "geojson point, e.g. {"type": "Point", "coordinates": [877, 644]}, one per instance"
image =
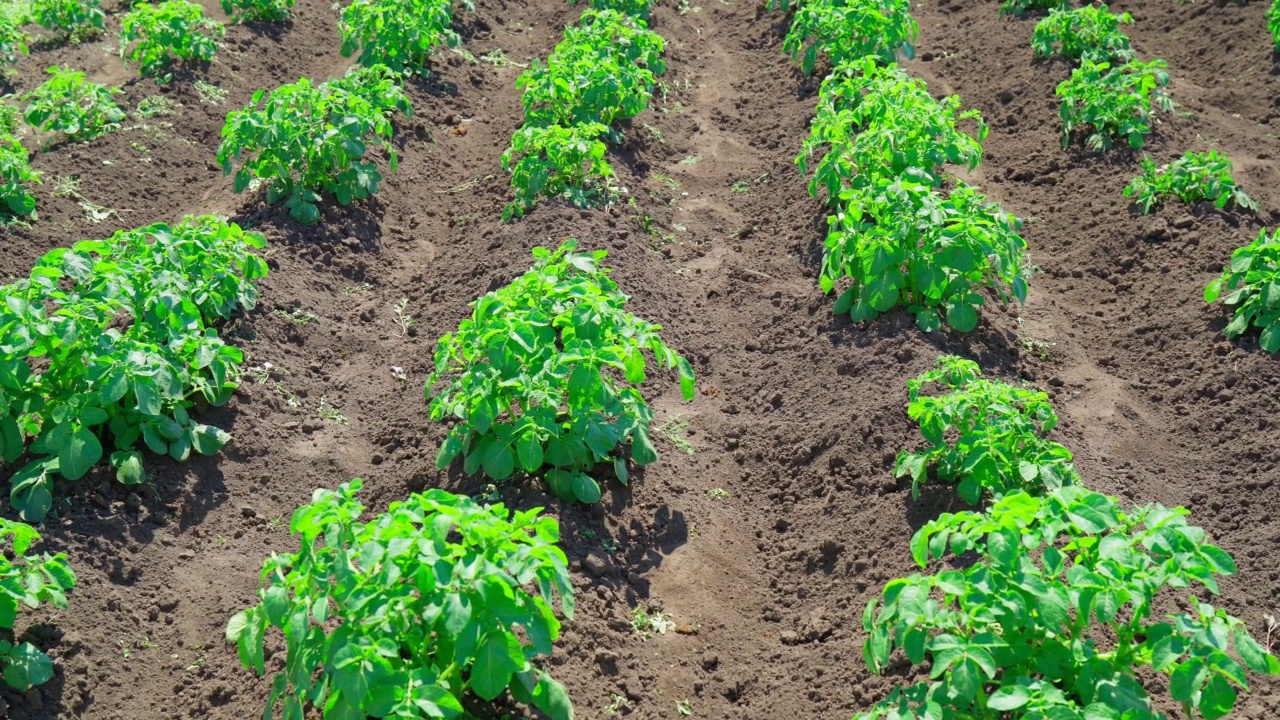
{"type": "Point", "coordinates": [426, 597]}
{"type": "Point", "coordinates": [29, 580]}
{"type": "Point", "coordinates": [635, 8]}
{"type": "Point", "coordinates": [157, 35]}
{"type": "Point", "coordinates": [257, 10]}
{"type": "Point", "coordinates": [307, 139]}
{"type": "Point", "coordinates": [555, 161]}
{"type": "Point", "coordinates": [1252, 285]}
{"type": "Point", "coordinates": [983, 434]}
{"type": "Point", "coordinates": [876, 121]}
{"type": "Point", "coordinates": [848, 30]}
{"type": "Point", "coordinates": [1054, 619]}
{"type": "Point", "coordinates": [903, 243]}
{"type": "Point", "coordinates": [13, 41]}
{"type": "Point", "coordinates": [1085, 33]}
{"type": "Point", "coordinates": [69, 104]}
{"type": "Point", "coordinates": [604, 70]}
{"type": "Point", "coordinates": [1113, 102]}
{"type": "Point", "coordinates": [74, 19]}
{"type": "Point", "coordinates": [1191, 178]}
{"type": "Point", "coordinates": [1019, 7]}
{"type": "Point", "coordinates": [113, 340]}
{"type": "Point", "coordinates": [15, 175]}
{"type": "Point", "coordinates": [532, 377]}
{"type": "Point", "coordinates": [400, 34]}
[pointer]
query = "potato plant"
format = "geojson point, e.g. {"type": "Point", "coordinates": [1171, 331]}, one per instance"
{"type": "Point", "coordinates": [1251, 282]}
{"type": "Point", "coordinates": [1113, 103]}
{"type": "Point", "coordinates": [1020, 7]}
{"type": "Point", "coordinates": [984, 435]}
{"type": "Point", "coordinates": [532, 377]}
{"type": "Point", "coordinates": [305, 139]}
{"type": "Point", "coordinates": [875, 120]}
{"type": "Point", "coordinates": [16, 177]}
{"type": "Point", "coordinates": [405, 615]}
{"type": "Point", "coordinates": [555, 161]}
{"type": "Point", "coordinates": [9, 115]}
{"type": "Point", "coordinates": [635, 8]}
{"type": "Point", "coordinates": [13, 41]}
{"type": "Point", "coordinates": [68, 104]}
{"type": "Point", "coordinates": [1054, 618]}
{"type": "Point", "coordinates": [258, 10]}
{"type": "Point", "coordinates": [903, 244]}
{"type": "Point", "coordinates": [400, 34]}
{"type": "Point", "coordinates": [848, 30]}
{"type": "Point", "coordinates": [69, 19]}
{"type": "Point", "coordinates": [604, 70]}
{"type": "Point", "coordinates": [28, 579]}
{"type": "Point", "coordinates": [111, 341]}
{"type": "Point", "coordinates": [1191, 178]}
{"type": "Point", "coordinates": [156, 36]}
{"type": "Point", "coordinates": [1085, 33]}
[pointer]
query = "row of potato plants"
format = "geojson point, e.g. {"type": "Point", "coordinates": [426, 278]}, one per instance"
{"type": "Point", "coordinates": [1015, 632]}
{"type": "Point", "coordinates": [302, 140]}
{"type": "Point", "coordinates": [876, 148]}
{"type": "Point", "coordinates": [602, 72]}
{"type": "Point", "coordinates": [1055, 612]}
{"type": "Point", "coordinates": [541, 380]}
{"type": "Point", "coordinates": [1090, 35]}
{"type": "Point", "coordinates": [108, 347]}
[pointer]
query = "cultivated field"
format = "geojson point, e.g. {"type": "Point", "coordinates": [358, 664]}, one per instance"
{"type": "Point", "coordinates": [729, 577]}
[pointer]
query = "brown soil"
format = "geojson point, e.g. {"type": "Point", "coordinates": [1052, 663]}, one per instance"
{"type": "Point", "coordinates": [799, 413]}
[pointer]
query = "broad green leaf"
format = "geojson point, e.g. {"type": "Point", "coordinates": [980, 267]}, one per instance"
{"type": "Point", "coordinates": [493, 667]}
{"type": "Point", "coordinates": [27, 667]}
{"type": "Point", "coordinates": [79, 453]}
{"type": "Point", "coordinates": [1009, 698]}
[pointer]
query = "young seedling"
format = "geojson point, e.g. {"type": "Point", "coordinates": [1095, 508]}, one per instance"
{"type": "Point", "coordinates": [403, 319]}
{"type": "Point", "coordinates": [1251, 282]}
{"type": "Point", "coordinates": [330, 413]}
{"type": "Point", "coordinates": [983, 434]}
{"type": "Point", "coordinates": [155, 106]}
{"type": "Point", "coordinates": [673, 430]}
{"type": "Point", "coordinates": [533, 377]}
{"type": "Point", "coordinates": [645, 622]}
{"type": "Point", "coordinates": [209, 93]}
{"type": "Point", "coordinates": [360, 645]}
{"type": "Point", "coordinates": [1191, 178]}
